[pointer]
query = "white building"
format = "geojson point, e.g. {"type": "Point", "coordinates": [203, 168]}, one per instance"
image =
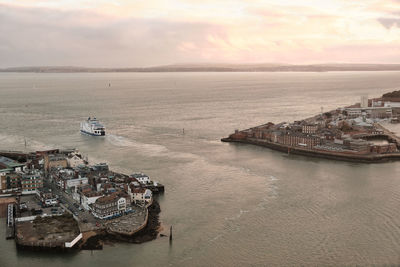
{"type": "Point", "coordinates": [74, 160]}
{"type": "Point", "coordinates": [371, 112]}
{"type": "Point", "coordinates": [364, 101]}
{"type": "Point", "coordinates": [75, 182]}
{"type": "Point", "coordinates": [142, 178]}
{"type": "Point", "coordinates": [89, 198]}
{"type": "Point", "coordinates": [392, 104]}
{"type": "Point", "coordinates": [140, 195]}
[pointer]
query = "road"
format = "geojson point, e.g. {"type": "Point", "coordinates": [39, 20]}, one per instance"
{"type": "Point", "coordinates": [86, 220]}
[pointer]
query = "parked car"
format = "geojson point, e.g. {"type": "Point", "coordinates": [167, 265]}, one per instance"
{"type": "Point", "coordinates": [37, 211]}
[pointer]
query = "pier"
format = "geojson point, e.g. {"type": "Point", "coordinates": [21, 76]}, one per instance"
{"type": "Point", "coordinates": [10, 229]}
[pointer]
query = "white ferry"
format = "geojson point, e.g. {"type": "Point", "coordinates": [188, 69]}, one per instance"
{"type": "Point", "coordinates": [93, 127]}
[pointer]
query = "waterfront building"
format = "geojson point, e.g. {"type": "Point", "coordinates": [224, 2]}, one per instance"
{"type": "Point", "coordinates": [30, 182]}
{"type": "Point", "coordinates": [110, 206]}
{"type": "Point", "coordinates": [359, 145]}
{"type": "Point", "coordinates": [9, 181]}
{"type": "Point", "coordinates": [370, 112]}
{"type": "Point", "coordinates": [140, 195]}
{"type": "Point", "coordinates": [15, 166]}
{"type": "Point", "coordinates": [382, 149]}
{"type": "Point", "coordinates": [392, 104]}
{"type": "Point", "coordinates": [74, 160]}
{"type": "Point", "coordinates": [13, 180]}
{"type": "Point", "coordinates": [55, 161]}
{"type": "Point", "coordinates": [141, 178]}
{"type": "Point", "coordinates": [295, 139]}
{"type": "Point", "coordinates": [309, 128]}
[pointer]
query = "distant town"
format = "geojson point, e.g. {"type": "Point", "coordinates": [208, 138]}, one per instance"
{"type": "Point", "coordinates": [354, 133]}
{"type": "Point", "coordinates": [56, 200]}
{"type": "Point", "coordinates": [216, 67]}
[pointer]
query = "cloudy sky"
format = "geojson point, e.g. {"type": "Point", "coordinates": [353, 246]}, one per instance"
{"type": "Point", "coordinates": [130, 33]}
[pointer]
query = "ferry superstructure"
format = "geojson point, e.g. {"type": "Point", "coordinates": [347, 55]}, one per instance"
{"type": "Point", "coordinates": [93, 127]}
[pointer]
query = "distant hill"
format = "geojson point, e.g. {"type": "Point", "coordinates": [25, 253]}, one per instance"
{"type": "Point", "coordinates": [216, 67]}
{"type": "Point", "coordinates": [394, 94]}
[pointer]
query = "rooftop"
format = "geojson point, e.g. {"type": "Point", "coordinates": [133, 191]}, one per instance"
{"type": "Point", "coordinates": [9, 163]}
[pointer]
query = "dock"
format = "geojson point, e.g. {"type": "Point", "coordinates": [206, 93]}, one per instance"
{"type": "Point", "coordinates": [10, 229]}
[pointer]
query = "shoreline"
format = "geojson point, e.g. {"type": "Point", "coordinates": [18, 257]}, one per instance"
{"type": "Point", "coordinates": [354, 133]}
{"type": "Point", "coordinates": [148, 233]}
{"type": "Point", "coordinates": [52, 218]}
{"type": "Point", "coordinates": [382, 158]}
{"type": "Point", "coordinates": [99, 238]}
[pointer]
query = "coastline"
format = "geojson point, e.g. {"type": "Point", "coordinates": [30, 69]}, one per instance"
{"type": "Point", "coordinates": [95, 240]}
{"type": "Point", "coordinates": [51, 218]}
{"type": "Point", "coordinates": [379, 158]}
{"type": "Point", "coordinates": [354, 133]}
{"type": "Point", "coordinates": [148, 233]}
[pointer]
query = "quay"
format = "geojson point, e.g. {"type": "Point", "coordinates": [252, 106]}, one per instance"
{"type": "Point", "coordinates": [59, 232]}
{"type": "Point", "coordinates": [353, 133]}
{"type": "Point", "coordinates": [319, 154]}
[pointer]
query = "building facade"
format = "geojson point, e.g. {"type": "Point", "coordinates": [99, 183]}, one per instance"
{"type": "Point", "coordinates": [110, 206]}
{"type": "Point", "coordinates": [30, 182]}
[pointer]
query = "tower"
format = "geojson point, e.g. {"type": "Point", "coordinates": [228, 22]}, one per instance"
{"type": "Point", "coordinates": [364, 101]}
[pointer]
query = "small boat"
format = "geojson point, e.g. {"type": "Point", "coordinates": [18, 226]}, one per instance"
{"type": "Point", "coordinates": [93, 127]}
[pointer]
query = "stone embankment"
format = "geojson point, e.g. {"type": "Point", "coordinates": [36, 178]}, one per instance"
{"type": "Point", "coordinates": [143, 233]}
{"type": "Point", "coordinates": [369, 158]}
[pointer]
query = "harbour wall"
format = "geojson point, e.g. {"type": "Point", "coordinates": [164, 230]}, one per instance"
{"type": "Point", "coordinates": [376, 158]}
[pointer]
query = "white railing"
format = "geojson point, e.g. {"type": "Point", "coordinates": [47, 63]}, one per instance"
{"type": "Point", "coordinates": [25, 219]}
{"type": "Point", "coordinates": [31, 218]}
{"type": "Point", "coordinates": [73, 242]}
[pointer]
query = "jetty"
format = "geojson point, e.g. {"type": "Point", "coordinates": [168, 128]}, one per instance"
{"type": "Point", "coordinates": [10, 228]}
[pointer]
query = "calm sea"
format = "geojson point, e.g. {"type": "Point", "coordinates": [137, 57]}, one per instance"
{"type": "Point", "coordinates": [229, 204]}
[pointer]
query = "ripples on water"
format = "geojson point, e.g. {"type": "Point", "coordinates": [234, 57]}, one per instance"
{"type": "Point", "coordinates": [230, 205]}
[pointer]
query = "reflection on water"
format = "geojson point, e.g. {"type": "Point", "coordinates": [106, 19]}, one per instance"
{"type": "Point", "coordinates": [229, 204]}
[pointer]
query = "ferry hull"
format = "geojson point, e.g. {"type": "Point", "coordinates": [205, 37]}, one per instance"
{"type": "Point", "coordinates": [93, 134]}
{"type": "Point", "coordinates": [92, 127]}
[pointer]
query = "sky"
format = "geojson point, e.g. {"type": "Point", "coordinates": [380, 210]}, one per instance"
{"type": "Point", "coordinates": [142, 33]}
